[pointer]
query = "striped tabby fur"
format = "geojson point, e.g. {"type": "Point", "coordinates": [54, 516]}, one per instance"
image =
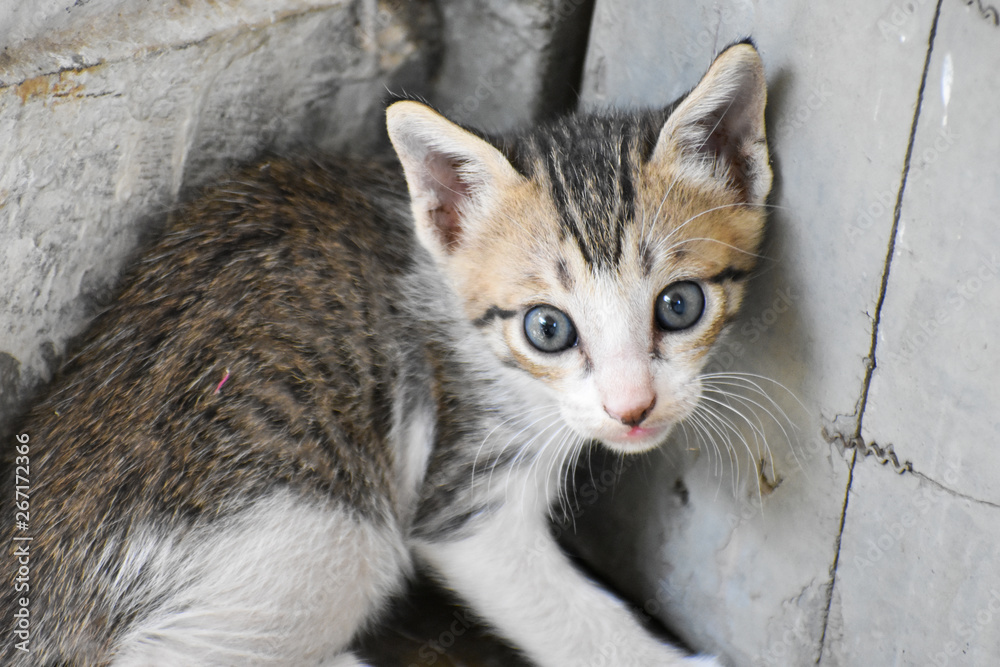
{"type": "Point", "coordinates": [317, 379]}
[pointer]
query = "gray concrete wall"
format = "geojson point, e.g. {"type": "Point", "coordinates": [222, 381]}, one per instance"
{"type": "Point", "coordinates": [870, 532]}
{"type": "Point", "coordinates": [505, 63]}
{"type": "Point", "coordinates": [108, 111]}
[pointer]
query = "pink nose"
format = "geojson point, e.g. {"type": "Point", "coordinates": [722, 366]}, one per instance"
{"type": "Point", "coordinates": [632, 413]}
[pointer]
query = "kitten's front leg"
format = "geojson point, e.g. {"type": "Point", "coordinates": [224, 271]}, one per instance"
{"type": "Point", "coordinates": [511, 571]}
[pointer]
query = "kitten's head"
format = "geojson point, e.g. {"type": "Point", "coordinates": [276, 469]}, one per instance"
{"type": "Point", "coordinates": [601, 256]}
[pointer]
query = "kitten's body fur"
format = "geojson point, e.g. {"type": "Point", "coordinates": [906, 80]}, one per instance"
{"type": "Point", "coordinates": [294, 400]}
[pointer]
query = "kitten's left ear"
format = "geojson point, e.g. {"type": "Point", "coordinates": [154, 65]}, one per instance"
{"type": "Point", "coordinates": [455, 178]}
{"type": "Point", "coordinates": [717, 131]}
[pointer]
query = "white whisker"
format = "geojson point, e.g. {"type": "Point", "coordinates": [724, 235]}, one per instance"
{"type": "Point", "coordinates": [757, 439]}
{"type": "Point", "coordinates": [524, 448]}
{"type": "Point", "coordinates": [757, 405]}
{"type": "Point", "coordinates": [727, 424]}
{"type": "Point", "coordinates": [710, 426]}
{"type": "Point", "coordinates": [548, 409]}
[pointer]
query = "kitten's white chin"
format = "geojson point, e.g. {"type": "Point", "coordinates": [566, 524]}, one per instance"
{"type": "Point", "coordinates": [638, 440]}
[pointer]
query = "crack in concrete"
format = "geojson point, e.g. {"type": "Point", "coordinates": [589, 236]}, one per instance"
{"type": "Point", "coordinates": [885, 454]}
{"type": "Point", "coordinates": [836, 558]}
{"type": "Point", "coordinates": [871, 361]}
{"type": "Point", "coordinates": [145, 52]}
{"type": "Point", "coordinates": [953, 492]}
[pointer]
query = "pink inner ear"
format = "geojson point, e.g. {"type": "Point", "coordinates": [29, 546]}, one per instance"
{"type": "Point", "coordinates": [449, 192]}
{"type": "Point", "coordinates": [726, 130]}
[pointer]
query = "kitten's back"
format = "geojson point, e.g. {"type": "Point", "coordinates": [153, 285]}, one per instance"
{"type": "Point", "coordinates": [204, 390]}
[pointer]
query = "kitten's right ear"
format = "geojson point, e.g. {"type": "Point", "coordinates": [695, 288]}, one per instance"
{"type": "Point", "coordinates": [454, 177]}
{"type": "Point", "coordinates": [717, 133]}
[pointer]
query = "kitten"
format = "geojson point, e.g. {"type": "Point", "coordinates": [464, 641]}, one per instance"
{"type": "Point", "coordinates": [314, 382]}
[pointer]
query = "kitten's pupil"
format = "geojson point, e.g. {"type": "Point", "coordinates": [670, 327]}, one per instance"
{"type": "Point", "coordinates": [679, 306]}
{"type": "Point", "coordinates": [549, 329]}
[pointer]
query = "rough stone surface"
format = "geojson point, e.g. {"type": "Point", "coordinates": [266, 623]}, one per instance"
{"type": "Point", "coordinates": [917, 582]}
{"type": "Point", "coordinates": [507, 63]}
{"type": "Point", "coordinates": [749, 576]}
{"type": "Point", "coordinates": [129, 103]}
{"type": "Point", "coordinates": [934, 394]}
{"type": "Point", "coordinates": [46, 36]}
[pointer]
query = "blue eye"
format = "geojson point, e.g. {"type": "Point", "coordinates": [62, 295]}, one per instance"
{"type": "Point", "coordinates": [679, 306]}
{"type": "Point", "coordinates": [549, 329]}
